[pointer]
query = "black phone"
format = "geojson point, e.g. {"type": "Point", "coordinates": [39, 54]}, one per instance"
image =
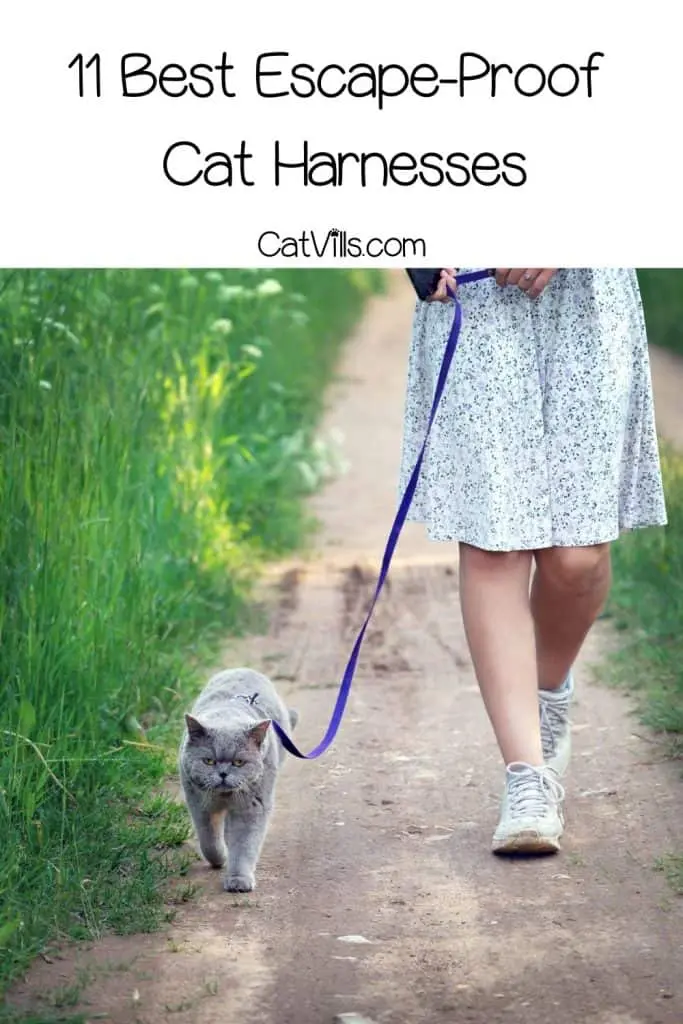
{"type": "Point", "coordinates": [425, 282]}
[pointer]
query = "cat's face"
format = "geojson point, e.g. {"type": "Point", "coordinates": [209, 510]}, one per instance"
{"type": "Point", "coordinates": [223, 760]}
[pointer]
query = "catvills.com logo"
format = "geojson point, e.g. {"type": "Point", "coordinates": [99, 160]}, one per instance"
{"type": "Point", "coordinates": [336, 244]}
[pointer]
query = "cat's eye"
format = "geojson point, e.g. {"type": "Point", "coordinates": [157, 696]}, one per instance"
{"type": "Point", "coordinates": [237, 763]}
{"type": "Point", "coordinates": [209, 760]}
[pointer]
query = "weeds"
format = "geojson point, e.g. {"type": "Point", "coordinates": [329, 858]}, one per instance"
{"type": "Point", "coordinates": [646, 605]}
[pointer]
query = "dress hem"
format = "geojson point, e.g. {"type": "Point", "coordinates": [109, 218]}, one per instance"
{"type": "Point", "coordinates": [609, 537]}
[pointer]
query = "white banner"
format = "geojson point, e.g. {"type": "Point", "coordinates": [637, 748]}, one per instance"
{"type": "Point", "coordinates": [220, 134]}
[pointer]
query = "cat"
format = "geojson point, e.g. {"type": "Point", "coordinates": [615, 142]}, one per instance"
{"type": "Point", "coordinates": [229, 761]}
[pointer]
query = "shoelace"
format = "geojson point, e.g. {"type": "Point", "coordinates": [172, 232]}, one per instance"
{"type": "Point", "coordinates": [531, 788]}
{"type": "Point", "coordinates": [553, 718]}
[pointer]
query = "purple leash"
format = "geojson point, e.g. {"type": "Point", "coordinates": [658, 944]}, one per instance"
{"type": "Point", "coordinates": [394, 534]}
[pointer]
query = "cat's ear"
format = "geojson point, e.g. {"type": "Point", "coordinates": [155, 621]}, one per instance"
{"type": "Point", "coordinates": [257, 734]}
{"type": "Point", "coordinates": [195, 729]}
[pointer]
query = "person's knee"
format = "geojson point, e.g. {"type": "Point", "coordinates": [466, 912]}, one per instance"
{"type": "Point", "coordinates": [578, 570]}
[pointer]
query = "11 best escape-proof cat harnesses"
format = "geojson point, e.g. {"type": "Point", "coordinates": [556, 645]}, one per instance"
{"type": "Point", "coordinates": [394, 534]}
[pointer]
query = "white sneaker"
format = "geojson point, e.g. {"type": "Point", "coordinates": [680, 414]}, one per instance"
{"type": "Point", "coordinates": [553, 706]}
{"type": "Point", "coordinates": [531, 819]}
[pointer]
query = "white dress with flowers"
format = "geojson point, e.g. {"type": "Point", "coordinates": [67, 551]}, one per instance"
{"type": "Point", "coordinates": [546, 434]}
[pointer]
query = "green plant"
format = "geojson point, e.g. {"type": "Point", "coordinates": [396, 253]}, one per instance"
{"type": "Point", "coordinates": [662, 292]}
{"type": "Point", "coordinates": [647, 605]}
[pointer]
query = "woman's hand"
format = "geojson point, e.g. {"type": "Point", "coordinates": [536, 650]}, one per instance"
{"type": "Point", "coordinates": [530, 281]}
{"type": "Point", "coordinates": [447, 280]}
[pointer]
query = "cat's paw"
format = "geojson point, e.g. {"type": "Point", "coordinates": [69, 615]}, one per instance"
{"type": "Point", "coordinates": [239, 883]}
{"type": "Point", "coordinates": [215, 858]}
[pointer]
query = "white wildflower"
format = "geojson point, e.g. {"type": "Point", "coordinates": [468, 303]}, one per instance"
{"type": "Point", "coordinates": [231, 291]}
{"type": "Point", "coordinates": [269, 287]}
{"type": "Point", "coordinates": [221, 326]}
{"type": "Point", "coordinates": [252, 350]}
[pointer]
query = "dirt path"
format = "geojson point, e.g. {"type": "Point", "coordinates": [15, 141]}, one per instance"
{"type": "Point", "coordinates": [387, 837]}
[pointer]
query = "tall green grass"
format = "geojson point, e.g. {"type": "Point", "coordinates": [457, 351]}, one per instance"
{"type": "Point", "coordinates": [662, 292]}
{"type": "Point", "coordinates": [155, 444]}
{"type": "Point", "coordinates": [647, 597]}
{"type": "Point", "coordinates": [647, 607]}
{"type": "Point", "coordinates": [646, 603]}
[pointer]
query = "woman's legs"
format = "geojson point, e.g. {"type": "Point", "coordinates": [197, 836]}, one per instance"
{"type": "Point", "coordinates": [494, 594]}
{"type": "Point", "coordinates": [521, 643]}
{"type": "Point", "coordinates": [523, 646]}
{"type": "Point", "coordinates": [569, 590]}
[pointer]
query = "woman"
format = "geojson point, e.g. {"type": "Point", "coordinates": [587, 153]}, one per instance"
{"type": "Point", "coordinates": [543, 450]}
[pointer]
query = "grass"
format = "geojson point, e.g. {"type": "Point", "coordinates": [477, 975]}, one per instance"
{"type": "Point", "coordinates": [155, 446]}
{"type": "Point", "coordinates": [646, 605]}
{"type": "Point", "coordinates": [45, 1018]}
{"type": "Point", "coordinates": [662, 292]}
{"type": "Point", "coordinates": [672, 868]}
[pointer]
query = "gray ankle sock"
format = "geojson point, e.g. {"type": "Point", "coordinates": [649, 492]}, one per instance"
{"type": "Point", "coordinates": [564, 688]}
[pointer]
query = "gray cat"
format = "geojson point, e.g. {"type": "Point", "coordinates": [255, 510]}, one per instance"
{"type": "Point", "coordinates": [229, 761]}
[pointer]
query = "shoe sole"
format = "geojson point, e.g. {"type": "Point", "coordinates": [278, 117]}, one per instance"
{"type": "Point", "coordinates": [527, 842]}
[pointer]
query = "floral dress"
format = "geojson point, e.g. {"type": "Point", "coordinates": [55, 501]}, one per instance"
{"type": "Point", "coordinates": [545, 436]}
